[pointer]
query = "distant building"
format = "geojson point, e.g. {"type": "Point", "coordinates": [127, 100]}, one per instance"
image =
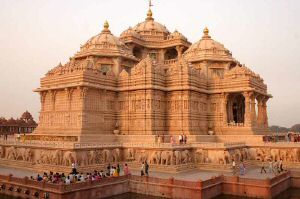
{"type": "Point", "coordinates": [24, 124]}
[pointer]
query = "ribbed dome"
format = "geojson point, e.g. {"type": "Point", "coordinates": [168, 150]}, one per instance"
{"type": "Point", "coordinates": [129, 32]}
{"type": "Point", "coordinates": [207, 48]}
{"type": "Point", "coordinates": [105, 44]}
{"type": "Point", "coordinates": [177, 35]}
{"type": "Point", "coordinates": [151, 27]}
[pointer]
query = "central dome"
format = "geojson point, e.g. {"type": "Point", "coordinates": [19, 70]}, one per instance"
{"type": "Point", "coordinates": [151, 27]}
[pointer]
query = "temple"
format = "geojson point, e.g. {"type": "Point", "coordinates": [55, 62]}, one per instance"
{"type": "Point", "coordinates": [150, 81]}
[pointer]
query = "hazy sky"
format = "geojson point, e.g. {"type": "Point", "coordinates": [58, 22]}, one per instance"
{"type": "Point", "coordinates": [35, 35]}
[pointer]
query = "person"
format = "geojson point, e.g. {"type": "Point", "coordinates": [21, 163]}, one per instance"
{"type": "Point", "coordinates": [18, 137]}
{"type": "Point", "coordinates": [147, 168]}
{"type": "Point", "coordinates": [142, 169]}
{"type": "Point", "coordinates": [275, 167]}
{"type": "Point", "coordinates": [118, 170]}
{"type": "Point", "coordinates": [270, 166]}
{"type": "Point", "coordinates": [263, 167]}
{"type": "Point", "coordinates": [108, 169]}
{"type": "Point", "coordinates": [280, 165]}
{"type": "Point", "coordinates": [74, 171]}
{"type": "Point", "coordinates": [233, 166]}
{"type": "Point", "coordinates": [184, 138]}
{"type": "Point", "coordinates": [39, 178]}
{"type": "Point", "coordinates": [180, 139]}
{"type": "Point", "coordinates": [241, 168]}
{"type": "Point", "coordinates": [68, 181]}
{"type": "Point", "coordinates": [126, 169]}
{"type": "Point", "coordinates": [172, 140]}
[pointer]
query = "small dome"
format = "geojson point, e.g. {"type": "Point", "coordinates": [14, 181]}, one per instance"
{"type": "Point", "coordinates": [177, 35]}
{"type": "Point", "coordinates": [129, 32]}
{"type": "Point", "coordinates": [105, 44]}
{"type": "Point", "coordinates": [207, 48]}
{"type": "Point", "coordinates": [151, 27]}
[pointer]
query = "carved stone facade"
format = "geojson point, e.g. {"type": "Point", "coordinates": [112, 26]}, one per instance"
{"type": "Point", "coordinates": [150, 81]}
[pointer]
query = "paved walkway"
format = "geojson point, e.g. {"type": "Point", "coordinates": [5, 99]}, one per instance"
{"type": "Point", "coordinates": [192, 175]}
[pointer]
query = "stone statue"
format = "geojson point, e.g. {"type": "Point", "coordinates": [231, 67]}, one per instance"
{"type": "Point", "coordinates": [274, 154]}
{"type": "Point", "coordinates": [185, 157]}
{"type": "Point", "coordinates": [177, 155]}
{"type": "Point", "coordinates": [2, 151]}
{"type": "Point", "coordinates": [10, 153]}
{"type": "Point", "coordinates": [155, 157]}
{"type": "Point", "coordinates": [69, 157]}
{"type": "Point", "coordinates": [129, 154]}
{"type": "Point", "coordinates": [91, 155]}
{"type": "Point", "coordinates": [106, 156]}
{"type": "Point", "coordinates": [116, 155]}
{"type": "Point", "coordinates": [142, 156]}
{"type": "Point", "coordinates": [166, 157]}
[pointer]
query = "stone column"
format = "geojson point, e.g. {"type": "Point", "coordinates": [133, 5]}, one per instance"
{"type": "Point", "coordinates": [247, 117]}
{"type": "Point", "coordinates": [179, 50]}
{"type": "Point", "coordinates": [265, 114]}
{"type": "Point", "coordinates": [162, 55]}
{"type": "Point", "coordinates": [260, 111]}
{"type": "Point", "coordinates": [224, 97]}
{"type": "Point", "coordinates": [253, 111]}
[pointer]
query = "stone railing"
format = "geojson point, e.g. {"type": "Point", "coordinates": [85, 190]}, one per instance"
{"type": "Point", "coordinates": [37, 143]}
{"type": "Point", "coordinates": [233, 124]}
{"type": "Point", "coordinates": [170, 61]}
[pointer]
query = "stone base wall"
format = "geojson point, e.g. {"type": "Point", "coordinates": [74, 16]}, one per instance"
{"type": "Point", "coordinates": [167, 188]}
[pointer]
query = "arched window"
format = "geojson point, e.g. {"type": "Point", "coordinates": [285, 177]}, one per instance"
{"type": "Point", "coordinates": [137, 52]}
{"type": "Point", "coordinates": [171, 53]}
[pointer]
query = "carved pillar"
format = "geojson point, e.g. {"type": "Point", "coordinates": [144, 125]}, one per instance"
{"type": "Point", "coordinates": [265, 114]}
{"type": "Point", "coordinates": [52, 95]}
{"type": "Point", "coordinates": [42, 98]}
{"type": "Point", "coordinates": [69, 92]}
{"type": "Point", "coordinates": [247, 117]}
{"type": "Point", "coordinates": [260, 111]}
{"type": "Point", "coordinates": [162, 55]}
{"type": "Point", "coordinates": [179, 50]}
{"type": "Point", "coordinates": [253, 111]}
{"type": "Point", "coordinates": [224, 97]}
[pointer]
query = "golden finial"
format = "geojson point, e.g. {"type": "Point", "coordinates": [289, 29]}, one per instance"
{"type": "Point", "coordinates": [149, 13]}
{"type": "Point", "coordinates": [106, 25]}
{"type": "Point", "coordinates": [206, 32]}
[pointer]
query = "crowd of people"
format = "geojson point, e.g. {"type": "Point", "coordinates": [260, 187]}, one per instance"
{"type": "Point", "coordinates": [182, 139]}
{"type": "Point", "coordinates": [75, 176]}
{"type": "Point", "coordinates": [287, 137]}
{"type": "Point", "coordinates": [275, 167]}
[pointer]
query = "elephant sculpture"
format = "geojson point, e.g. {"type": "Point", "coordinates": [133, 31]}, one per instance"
{"type": "Point", "coordinates": [106, 155]}
{"type": "Point", "coordinates": [69, 157]}
{"type": "Point", "coordinates": [185, 157]}
{"type": "Point", "coordinates": [82, 158]}
{"type": "Point", "coordinates": [2, 152]}
{"type": "Point", "coordinates": [10, 153]}
{"type": "Point", "coordinates": [274, 154]}
{"type": "Point", "coordinates": [155, 157]}
{"type": "Point", "coordinates": [142, 156]}
{"type": "Point", "coordinates": [295, 154]}
{"type": "Point", "coordinates": [177, 155]}
{"type": "Point", "coordinates": [116, 155]}
{"type": "Point", "coordinates": [91, 156]}
{"type": "Point", "coordinates": [166, 157]}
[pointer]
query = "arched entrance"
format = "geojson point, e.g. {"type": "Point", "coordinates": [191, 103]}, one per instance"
{"type": "Point", "coordinates": [137, 52]}
{"type": "Point", "coordinates": [171, 53]}
{"type": "Point", "coordinates": [235, 108]}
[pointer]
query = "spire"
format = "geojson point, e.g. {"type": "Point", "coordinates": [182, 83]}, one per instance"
{"type": "Point", "coordinates": [106, 26]}
{"type": "Point", "coordinates": [206, 33]}
{"type": "Point", "coordinates": [149, 13]}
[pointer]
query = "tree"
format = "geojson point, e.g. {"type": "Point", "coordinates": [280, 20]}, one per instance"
{"type": "Point", "coordinates": [295, 128]}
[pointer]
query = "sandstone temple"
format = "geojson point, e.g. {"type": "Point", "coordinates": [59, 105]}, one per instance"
{"type": "Point", "coordinates": [150, 81]}
{"type": "Point", "coordinates": [117, 97]}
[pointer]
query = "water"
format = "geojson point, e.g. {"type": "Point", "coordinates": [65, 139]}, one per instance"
{"type": "Point", "coordinates": [133, 196]}
{"type": "Point", "coordinates": [292, 193]}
